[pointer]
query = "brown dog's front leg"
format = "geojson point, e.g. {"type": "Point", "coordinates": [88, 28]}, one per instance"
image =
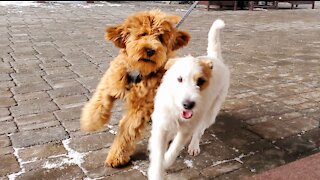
{"type": "Point", "coordinates": [113, 85]}
{"type": "Point", "coordinates": [131, 129]}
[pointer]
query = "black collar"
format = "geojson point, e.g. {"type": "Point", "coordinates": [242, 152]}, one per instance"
{"type": "Point", "coordinates": [135, 76]}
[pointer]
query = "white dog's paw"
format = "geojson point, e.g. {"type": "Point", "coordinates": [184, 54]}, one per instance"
{"type": "Point", "coordinates": [194, 150]}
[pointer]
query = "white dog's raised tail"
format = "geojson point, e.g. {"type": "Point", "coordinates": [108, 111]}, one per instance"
{"type": "Point", "coordinates": [214, 45]}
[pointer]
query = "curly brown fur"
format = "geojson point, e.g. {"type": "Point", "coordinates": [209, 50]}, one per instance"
{"type": "Point", "coordinates": [146, 41]}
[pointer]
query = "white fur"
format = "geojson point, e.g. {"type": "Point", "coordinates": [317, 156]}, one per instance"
{"type": "Point", "coordinates": [167, 122]}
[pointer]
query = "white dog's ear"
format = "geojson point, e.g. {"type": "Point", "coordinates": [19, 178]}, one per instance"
{"type": "Point", "coordinates": [207, 62]}
{"type": "Point", "coordinates": [169, 63]}
{"type": "Point", "coordinates": [117, 35]}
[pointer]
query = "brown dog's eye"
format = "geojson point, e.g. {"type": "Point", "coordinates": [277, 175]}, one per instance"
{"type": "Point", "coordinates": [200, 82]}
{"type": "Point", "coordinates": [144, 34]}
{"type": "Point", "coordinates": [179, 79]}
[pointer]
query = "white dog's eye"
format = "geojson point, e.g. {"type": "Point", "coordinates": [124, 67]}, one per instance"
{"type": "Point", "coordinates": [200, 82]}
{"type": "Point", "coordinates": [179, 79]}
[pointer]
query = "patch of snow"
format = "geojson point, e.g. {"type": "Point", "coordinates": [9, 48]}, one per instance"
{"type": "Point", "coordinates": [138, 167]}
{"type": "Point", "coordinates": [235, 149]}
{"type": "Point", "coordinates": [19, 3]}
{"type": "Point", "coordinates": [112, 132]}
{"type": "Point", "coordinates": [238, 159]}
{"type": "Point", "coordinates": [189, 163]}
{"type": "Point", "coordinates": [182, 10]}
{"type": "Point", "coordinates": [16, 154]}
{"type": "Point", "coordinates": [32, 160]}
{"type": "Point", "coordinates": [112, 5]}
{"type": "Point", "coordinates": [73, 157]}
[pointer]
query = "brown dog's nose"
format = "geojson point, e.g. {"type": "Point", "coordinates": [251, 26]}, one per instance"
{"type": "Point", "coordinates": [150, 52]}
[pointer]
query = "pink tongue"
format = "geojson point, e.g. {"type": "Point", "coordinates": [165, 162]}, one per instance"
{"type": "Point", "coordinates": [187, 114]}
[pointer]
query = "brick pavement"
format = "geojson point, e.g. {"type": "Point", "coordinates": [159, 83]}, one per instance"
{"type": "Point", "coordinates": [52, 56]}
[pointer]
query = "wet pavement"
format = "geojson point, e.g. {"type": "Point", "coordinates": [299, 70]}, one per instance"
{"type": "Point", "coordinates": [53, 55]}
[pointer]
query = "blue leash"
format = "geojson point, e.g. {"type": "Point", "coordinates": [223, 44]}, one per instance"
{"type": "Point", "coordinates": [187, 13]}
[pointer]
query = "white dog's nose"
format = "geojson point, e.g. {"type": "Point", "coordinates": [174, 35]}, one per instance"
{"type": "Point", "coordinates": [187, 104]}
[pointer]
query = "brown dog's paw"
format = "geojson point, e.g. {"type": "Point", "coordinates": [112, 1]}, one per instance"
{"type": "Point", "coordinates": [116, 161]}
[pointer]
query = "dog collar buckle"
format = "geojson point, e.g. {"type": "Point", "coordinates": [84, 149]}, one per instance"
{"type": "Point", "coordinates": [134, 77]}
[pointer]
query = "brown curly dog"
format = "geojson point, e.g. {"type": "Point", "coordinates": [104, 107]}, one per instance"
{"type": "Point", "coordinates": [146, 41]}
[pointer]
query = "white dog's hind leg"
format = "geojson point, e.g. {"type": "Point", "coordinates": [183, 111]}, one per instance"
{"type": "Point", "coordinates": [175, 147]}
{"type": "Point", "coordinates": [157, 146]}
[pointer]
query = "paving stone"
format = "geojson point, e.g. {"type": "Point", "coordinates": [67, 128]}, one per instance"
{"type": "Point", "coordinates": [282, 117]}
{"type": "Point", "coordinates": [56, 70]}
{"type": "Point", "coordinates": [4, 112]}
{"type": "Point", "coordinates": [5, 68]}
{"type": "Point", "coordinates": [242, 141]}
{"type": "Point", "coordinates": [85, 70]}
{"type": "Point", "coordinates": [72, 125]}
{"type": "Point", "coordinates": [24, 78]}
{"type": "Point", "coordinates": [29, 138]}
{"type": "Point", "coordinates": [10, 166]}
{"type": "Point", "coordinates": [55, 63]}
{"type": "Point", "coordinates": [293, 100]}
{"type": "Point", "coordinates": [68, 114]}
{"type": "Point", "coordinates": [296, 145]}
{"type": "Point", "coordinates": [31, 96]}
{"type": "Point", "coordinates": [38, 125]}
{"type": "Point", "coordinates": [277, 129]}
{"type": "Point", "coordinates": [185, 174]}
{"type": "Point", "coordinates": [34, 118]}
{"type": "Point", "coordinates": [6, 150]}
{"type": "Point", "coordinates": [237, 174]}
{"type": "Point", "coordinates": [33, 106]}
{"type": "Point", "coordinates": [91, 142]}
{"type": "Point", "coordinates": [70, 101]}
{"type": "Point", "coordinates": [31, 87]}
{"type": "Point", "coordinates": [5, 92]}
{"type": "Point", "coordinates": [313, 136]}
{"type": "Point", "coordinates": [41, 151]}
{"type": "Point", "coordinates": [90, 82]}
{"type": "Point", "coordinates": [214, 171]}
{"type": "Point", "coordinates": [133, 174]}
{"type": "Point", "coordinates": [4, 141]}
{"type": "Point", "coordinates": [6, 102]}
{"type": "Point", "coordinates": [65, 172]}
{"type": "Point", "coordinates": [5, 77]}
{"type": "Point", "coordinates": [94, 164]}
{"type": "Point", "coordinates": [7, 84]}
{"type": "Point", "coordinates": [67, 91]}
{"type": "Point", "coordinates": [7, 127]}
{"type": "Point", "coordinates": [6, 118]}
{"type": "Point", "coordinates": [265, 160]}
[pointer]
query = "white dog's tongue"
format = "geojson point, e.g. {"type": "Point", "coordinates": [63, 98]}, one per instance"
{"type": "Point", "coordinates": [187, 114]}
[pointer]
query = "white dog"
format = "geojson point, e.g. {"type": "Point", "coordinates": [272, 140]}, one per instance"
{"type": "Point", "coordinates": [187, 103]}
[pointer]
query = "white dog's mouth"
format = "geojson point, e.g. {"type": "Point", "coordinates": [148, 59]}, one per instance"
{"type": "Point", "coordinates": [186, 114]}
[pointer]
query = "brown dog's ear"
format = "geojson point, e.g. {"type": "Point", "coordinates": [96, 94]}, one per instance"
{"type": "Point", "coordinates": [169, 63]}
{"type": "Point", "coordinates": [116, 34]}
{"type": "Point", "coordinates": [181, 39]}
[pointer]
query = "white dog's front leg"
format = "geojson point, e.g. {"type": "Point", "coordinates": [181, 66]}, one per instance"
{"type": "Point", "coordinates": [157, 147]}
{"type": "Point", "coordinates": [176, 146]}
